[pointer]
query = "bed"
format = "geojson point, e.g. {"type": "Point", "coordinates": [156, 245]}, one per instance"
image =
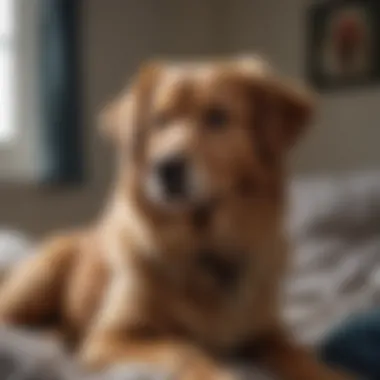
{"type": "Point", "coordinates": [335, 224]}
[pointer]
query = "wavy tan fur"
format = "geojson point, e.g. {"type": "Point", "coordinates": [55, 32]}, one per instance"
{"type": "Point", "coordinates": [130, 288]}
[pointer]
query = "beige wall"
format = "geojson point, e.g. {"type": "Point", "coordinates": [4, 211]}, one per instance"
{"type": "Point", "coordinates": [347, 133]}
{"type": "Point", "coordinates": [117, 36]}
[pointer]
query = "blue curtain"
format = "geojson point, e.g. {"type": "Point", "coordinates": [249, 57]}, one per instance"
{"type": "Point", "coordinates": [63, 159]}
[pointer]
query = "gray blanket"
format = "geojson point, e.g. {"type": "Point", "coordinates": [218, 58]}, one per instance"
{"type": "Point", "coordinates": [335, 224]}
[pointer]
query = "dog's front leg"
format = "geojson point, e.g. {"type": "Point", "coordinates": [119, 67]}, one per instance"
{"type": "Point", "coordinates": [282, 356]}
{"type": "Point", "coordinates": [32, 292]}
{"type": "Point", "coordinates": [118, 338]}
{"type": "Point", "coordinates": [150, 358]}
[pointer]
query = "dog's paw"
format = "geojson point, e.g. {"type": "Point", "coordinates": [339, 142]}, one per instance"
{"type": "Point", "coordinates": [137, 372]}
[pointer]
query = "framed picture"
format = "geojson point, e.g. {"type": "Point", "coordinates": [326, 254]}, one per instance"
{"type": "Point", "coordinates": [343, 43]}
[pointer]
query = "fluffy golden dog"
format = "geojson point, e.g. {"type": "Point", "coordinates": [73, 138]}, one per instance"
{"type": "Point", "coordinates": [184, 268]}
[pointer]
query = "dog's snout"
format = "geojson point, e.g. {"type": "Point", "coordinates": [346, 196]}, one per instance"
{"type": "Point", "coordinates": [173, 176]}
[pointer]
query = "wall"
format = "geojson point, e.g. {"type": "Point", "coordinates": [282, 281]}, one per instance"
{"type": "Point", "coordinates": [347, 132]}
{"type": "Point", "coordinates": [117, 36]}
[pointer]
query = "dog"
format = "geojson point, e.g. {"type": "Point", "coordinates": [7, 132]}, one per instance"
{"type": "Point", "coordinates": [183, 269]}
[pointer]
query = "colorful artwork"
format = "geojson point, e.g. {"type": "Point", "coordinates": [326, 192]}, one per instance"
{"type": "Point", "coordinates": [343, 43]}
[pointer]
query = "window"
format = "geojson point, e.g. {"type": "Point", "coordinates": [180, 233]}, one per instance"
{"type": "Point", "coordinates": [19, 100]}
{"type": "Point", "coordinates": [7, 74]}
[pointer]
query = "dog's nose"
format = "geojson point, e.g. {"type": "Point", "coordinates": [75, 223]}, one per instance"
{"type": "Point", "coordinates": [172, 173]}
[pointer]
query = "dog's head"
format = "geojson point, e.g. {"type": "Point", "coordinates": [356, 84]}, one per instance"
{"type": "Point", "coordinates": [189, 132]}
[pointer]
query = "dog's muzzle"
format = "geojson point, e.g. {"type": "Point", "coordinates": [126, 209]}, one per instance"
{"type": "Point", "coordinates": [173, 176]}
{"type": "Point", "coordinates": [175, 180]}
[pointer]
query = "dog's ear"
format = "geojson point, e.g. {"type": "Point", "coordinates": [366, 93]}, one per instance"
{"type": "Point", "coordinates": [115, 115]}
{"type": "Point", "coordinates": [292, 109]}
{"type": "Point", "coordinates": [281, 110]}
{"type": "Point", "coordinates": [122, 117]}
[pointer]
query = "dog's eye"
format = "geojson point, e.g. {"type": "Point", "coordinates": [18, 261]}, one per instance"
{"type": "Point", "coordinates": [216, 118]}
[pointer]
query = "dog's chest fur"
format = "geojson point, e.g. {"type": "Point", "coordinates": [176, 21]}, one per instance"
{"type": "Point", "coordinates": [213, 295]}
{"type": "Point", "coordinates": [213, 301]}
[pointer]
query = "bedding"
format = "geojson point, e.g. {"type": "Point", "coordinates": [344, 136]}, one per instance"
{"type": "Point", "coordinates": [335, 223]}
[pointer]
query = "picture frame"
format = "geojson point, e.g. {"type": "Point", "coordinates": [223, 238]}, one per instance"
{"type": "Point", "coordinates": [343, 43]}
